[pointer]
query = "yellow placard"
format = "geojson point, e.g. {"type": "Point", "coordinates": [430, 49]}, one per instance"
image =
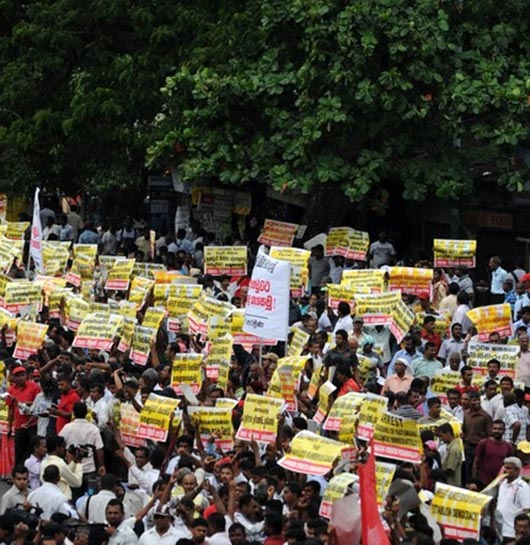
{"type": "Point", "coordinates": [127, 333]}
{"type": "Point", "coordinates": [204, 308]}
{"type": "Point", "coordinates": [377, 308]}
{"type": "Point", "coordinates": [397, 438]}
{"type": "Point", "coordinates": [214, 422]}
{"type": "Point", "coordinates": [298, 341]}
{"type": "Point", "coordinates": [372, 410]}
{"type": "Point", "coordinates": [120, 274]}
{"type": "Point", "coordinates": [30, 336]}
{"type": "Point", "coordinates": [140, 286]}
{"type": "Point", "coordinates": [402, 320]}
{"type": "Point", "coordinates": [323, 407]}
{"type": "Point", "coordinates": [458, 510]}
{"type": "Point", "coordinates": [141, 344]}
{"type": "Point", "coordinates": [338, 293]}
{"type": "Point", "coordinates": [480, 353]}
{"type": "Point", "coordinates": [299, 262]}
{"type": "Point", "coordinates": [75, 310]}
{"type": "Point", "coordinates": [16, 229]}
{"type": "Point", "coordinates": [156, 417]}
{"type": "Point", "coordinates": [335, 490]}
{"type": "Point", "coordinates": [372, 279]}
{"type": "Point", "coordinates": [218, 359]}
{"type": "Point", "coordinates": [260, 418]}
{"type": "Point", "coordinates": [4, 420]}
{"type": "Point", "coordinates": [282, 385]}
{"type": "Point", "coordinates": [153, 317]}
{"type": "Point", "coordinates": [348, 243]}
{"type": "Point", "coordinates": [128, 423]}
{"type": "Point", "coordinates": [312, 454]}
{"type": "Point", "coordinates": [277, 233]}
{"type": "Point", "coordinates": [186, 369]}
{"type": "Point", "coordinates": [343, 407]}
{"type": "Point", "coordinates": [454, 253]}
{"type": "Point", "coordinates": [410, 280]}
{"type": "Point", "coordinates": [218, 327]}
{"type": "Point", "coordinates": [443, 381]}
{"type": "Point", "coordinates": [384, 473]}
{"type": "Point", "coordinates": [22, 293]}
{"type": "Point", "coordinates": [97, 331]}
{"type": "Point", "coordinates": [229, 260]}
{"type": "Point", "coordinates": [492, 318]}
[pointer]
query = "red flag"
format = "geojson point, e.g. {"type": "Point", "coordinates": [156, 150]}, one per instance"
{"type": "Point", "coordinates": [372, 527]}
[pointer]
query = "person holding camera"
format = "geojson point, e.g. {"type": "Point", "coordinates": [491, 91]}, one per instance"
{"type": "Point", "coordinates": [70, 470]}
{"type": "Point", "coordinates": [86, 438]}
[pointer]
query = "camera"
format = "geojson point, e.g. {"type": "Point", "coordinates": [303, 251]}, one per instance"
{"type": "Point", "coordinates": [18, 514]}
{"type": "Point", "coordinates": [79, 452]}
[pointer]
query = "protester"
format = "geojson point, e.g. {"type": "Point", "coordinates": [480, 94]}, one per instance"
{"type": "Point", "coordinates": [162, 419]}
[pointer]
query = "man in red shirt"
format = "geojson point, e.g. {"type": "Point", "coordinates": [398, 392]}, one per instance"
{"type": "Point", "coordinates": [69, 397]}
{"type": "Point", "coordinates": [467, 380]}
{"type": "Point", "coordinates": [22, 393]}
{"type": "Point", "coordinates": [490, 454]}
{"type": "Point", "coordinates": [428, 334]}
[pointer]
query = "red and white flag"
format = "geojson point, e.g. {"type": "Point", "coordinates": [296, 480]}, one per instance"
{"type": "Point", "coordinates": [35, 245]}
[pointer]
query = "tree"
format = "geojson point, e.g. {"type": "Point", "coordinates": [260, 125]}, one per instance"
{"type": "Point", "coordinates": [80, 86]}
{"type": "Point", "coordinates": [329, 96]}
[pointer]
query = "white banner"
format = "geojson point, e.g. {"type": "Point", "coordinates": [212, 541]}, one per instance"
{"type": "Point", "coordinates": [267, 308]}
{"type": "Point", "coordinates": [35, 246]}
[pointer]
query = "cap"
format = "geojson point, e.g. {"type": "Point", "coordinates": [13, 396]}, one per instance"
{"type": "Point", "coordinates": [431, 445]}
{"type": "Point", "coordinates": [424, 295]}
{"type": "Point", "coordinates": [367, 339]}
{"type": "Point", "coordinates": [358, 320]}
{"type": "Point", "coordinates": [163, 511]}
{"type": "Point", "coordinates": [524, 446]}
{"type": "Point", "coordinates": [404, 361]}
{"type": "Point", "coordinates": [513, 460]}
{"type": "Point", "coordinates": [18, 369]}
{"type": "Point", "coordinates": [525, 277]}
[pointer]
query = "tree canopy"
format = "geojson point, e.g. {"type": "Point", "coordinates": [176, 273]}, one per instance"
{"type": "Point", "coordinates": [80, 86]}
{"type": "Point", "coordinates": [306, 95]}
{"type": "Point", "coordinates": [315, 95]}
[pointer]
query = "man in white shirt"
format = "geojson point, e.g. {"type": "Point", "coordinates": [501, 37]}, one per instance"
{"type": "Point", "coordinates": [18, 493]}
{"type": "Point", "coordinates": [142, 473]}
{"type": "Point", "coordinates": [86, 435]}
{"type": "Point", "coordinates": [33, 463]}
{"type": "Point", "coordinates": [381, 252]}
{"type": "Point", "coordinates": [49, 497]}
{"type": "Point", "coordinates": [498, 274]}
{"type": "Point", "coordinates": [218, 534]}
{"type": "Point", "coordinates": [247, 515]}
{"type": "Point", "coordinates": [345, 321]}
{"type": "Point", "coordinates": [93, 508]}
{"type": "Point", "coordinates": [454, 344]}
{"type": "Point", "coordinates": [514, 496]}
{"type": "Point", "coordinates": [163, 533]}
{"type": "Point", "coordinates": [490, 401]}
{"type": "Point", "coordinates": [98, 406]}
{"type": "Point", "coordinates": [120, 529]}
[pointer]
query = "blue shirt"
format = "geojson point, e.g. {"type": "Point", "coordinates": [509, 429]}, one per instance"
{"type": "Point", "coordinates": [88, 237]}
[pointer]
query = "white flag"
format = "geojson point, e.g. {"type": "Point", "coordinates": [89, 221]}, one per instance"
{"type": "Point", "coordinates": [267, 306]}
{"type": "Point", "coordinates": [35, 245]}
